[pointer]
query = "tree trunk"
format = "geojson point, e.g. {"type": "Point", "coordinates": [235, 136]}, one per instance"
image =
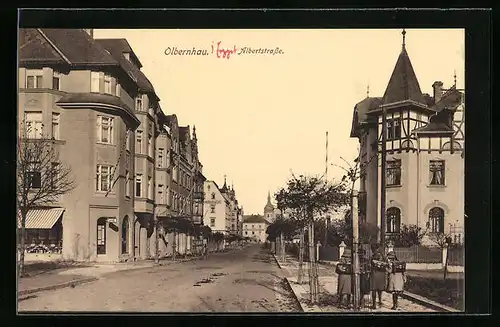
{"type": "Point", "coordinates": [283, 250]}
{"type": "Point", "coordinates": [174, 245]}
{"type": "Point", "coordinates": [301, 256]}
{"type": "Point", "coordinates": [445, 273]}
{"type": "Point", "coordinates": [312, 281]}
{"type": "Point", "coordinates": [20, 269]}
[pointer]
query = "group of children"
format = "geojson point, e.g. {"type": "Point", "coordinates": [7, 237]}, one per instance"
{"type": "Point", "coordinates": [383, 273]}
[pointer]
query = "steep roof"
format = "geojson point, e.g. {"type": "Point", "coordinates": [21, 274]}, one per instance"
{"type": "Point", "coordinates": [184, 133]}
{"type": "Point", "coordinates": [117, 48]}
{"type": "Point", "coordinates": [123, 46]}
{"type": "Point", "coordinates": [254, 219]}
{"type": "Point", "coordinates": [34, 47]}
{"type": "Point", "coordinates": [403, 84]}
{"type": "Point", "coordinates": [77, 46]}
{"type": "Point", "coordinates": [360, 112]}
{"type": "Point", "coordinates": [451, 99]}
{"type": "Point", "coordinates": [439, 123]}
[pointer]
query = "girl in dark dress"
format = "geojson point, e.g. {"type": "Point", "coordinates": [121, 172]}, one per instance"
{"type": "Point", "coordinates": [378, 278]}
{"type": "Point", "coordinates": [397, 279]}
{"type": "Point", "coordinates": [344, 286]}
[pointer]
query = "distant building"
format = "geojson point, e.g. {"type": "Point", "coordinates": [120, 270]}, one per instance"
{"type": "Point", "coordinates": [221, 211]}
{"type": "Point", "coordinates": [254, 226]}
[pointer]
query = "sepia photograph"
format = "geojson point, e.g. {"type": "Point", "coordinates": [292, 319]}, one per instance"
{"type": "Point", "coordinates": [241, 170]}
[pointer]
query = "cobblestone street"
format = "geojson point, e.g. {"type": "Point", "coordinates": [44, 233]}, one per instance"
{"type": "Point", "coordinates": [246, 280]}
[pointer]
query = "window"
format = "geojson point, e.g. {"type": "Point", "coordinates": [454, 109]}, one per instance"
{"type": "Point", "coordinates": [393, 220]}
{"type": "Point", "coordinates": [55, 126]}
{"type": "Point", "coordinates": [101, 235]}
{"type": "Point", "coordinates": [393, 129]}
{"type": "Point", "coordinates": [54, 175]}
{"type": "Point", "coordinates": [107, 84]}
{"type": "Point", "coordinates": [160, 193]}
{"type": "Point", "coordinates": [125, 235]}
{"type": "Point", "coordinates": [117, 89]}
{"type": "Point", "coordinates": [127, 139]}
{"type": "Point", "coordinates": [212, 208]}
{"type": "Point", "coordinates": [150, 145]}
{"type": "Point", "coordinates": [160, 157]}
{"type": "Point", "coordinates": [436, 172]}
{"type": "Point", "coordinates": [103, 179]}
{"type": "Point", "coordinates": [34, 79]}
{"type": "Point", "coordinates": [253, 233]}
{"type": "Point", "coordinates": [150, 188]}
{"type": "Point", "coordinates": [94, 82]}
{"type": "Point", "coordinates": [56, 77]}
{"type": "Point", "coordinates": [138, 104]}
{"type": "Point", "coordinates": [393, 173]}
{"type": "Point", "coordinates": [212, 222]}
{"type": "Point", "coordinates": [139, 142]}
{"type": "Point", "coordinates": [34, 126]}
{"type": "Point", "coordinates": [138, 185]}
{"type": "Point", "coordinates": [127, 183]}
{"type": "Point", "coordinates": [104, 129]}
{"type": "Point", "coordinates": [246, 233]}
{"type": "Point", "coordinates": [436, 220]}
{"type": "Point", "coordinates": [213, 196]}
{"type": "Point", "coordinates": [34, 175]}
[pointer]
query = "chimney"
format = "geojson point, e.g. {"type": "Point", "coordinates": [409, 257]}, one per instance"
{"type": "Point", "coordinates": [438, 91]}
{"type": "Point", "coordinates": [90, 31]}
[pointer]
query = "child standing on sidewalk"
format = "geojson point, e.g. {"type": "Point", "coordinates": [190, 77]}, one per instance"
{"type": "Point", "coordinates": [397, 278]}
{"type": "Point", "coordinates": [344, 285]}
{"type": "Point", "coordinates": [378, 278]}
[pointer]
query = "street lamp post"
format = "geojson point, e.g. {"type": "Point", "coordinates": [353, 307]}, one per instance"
{"type": "Point", "coordinates": [355, 249]}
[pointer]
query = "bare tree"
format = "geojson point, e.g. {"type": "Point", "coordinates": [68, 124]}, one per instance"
{"type": "Point", "coordinates": [442, 240]}
{"type": "Point", "coordinates": [309, 197]}
{"type": "Point", "coordinates": [41, 178]}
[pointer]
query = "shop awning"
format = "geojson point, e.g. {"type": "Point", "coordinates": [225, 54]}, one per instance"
{"type": "Point", "coordinates": [41, 218]}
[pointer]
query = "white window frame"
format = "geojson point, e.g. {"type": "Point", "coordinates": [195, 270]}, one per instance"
{"type": "Point", "coordinates": [138, 181]}
{"type": "Point", "coordinates": [150, 145]}
{"type": "Point", "coordinates": [160, 194]}
{"type": "Point", "coordinates": [138, 146]}
{"type": "Point", "coordinates": [161, 155]}
{"type": "Point", "coordinates": [34, 124]}
{"type": "Point", "coordinates": [127, 183]}
{"type": "Point", "coordinates": [56, 75]}
{"type": "Point", "coordinates": [37, 75]}
{"type": "Point", "coordinates": [139, 103]}
{"type": "Point", "coordinates": [105, 171]}
{"type": "Point", "coordinates": [95, 82]}
{"type": "Point", "coordinates": [107, 84]}
{"type": "Point", "coordinates": [150, 187]}
{"type": "Point", "coordinates": [102, 123]}
{"type": "Point", "coordinates": [117, 89]}
{"type": "Point", "coordinates": [56, 119]}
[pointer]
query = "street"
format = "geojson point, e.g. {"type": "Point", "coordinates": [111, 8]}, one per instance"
{"type": "Point", "coordinates": [246, 280]}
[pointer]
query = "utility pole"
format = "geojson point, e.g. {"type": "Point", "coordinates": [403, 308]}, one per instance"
{"type": "Point", "coordinates": [327, 216]}
{"type": "Point", "coordinates": [383, 179]}
{"type": "Point", "coordinates": [355, 250]}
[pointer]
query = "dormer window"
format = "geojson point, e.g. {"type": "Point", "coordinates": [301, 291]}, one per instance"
{"type": "Point", "coordinates": [138, 104]}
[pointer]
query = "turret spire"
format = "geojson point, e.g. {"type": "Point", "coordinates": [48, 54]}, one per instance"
{"type": "Point", "coordinates": [368, 90]}
{"type": "Point", "coordinates": [455, 78]}
{"type": "Point", "coordinates": [404, 38]}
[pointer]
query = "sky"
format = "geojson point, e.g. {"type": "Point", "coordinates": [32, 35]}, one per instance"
{"type": "Point", "coordinates": [260, 117]}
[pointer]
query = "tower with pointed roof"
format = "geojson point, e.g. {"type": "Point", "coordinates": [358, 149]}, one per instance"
{"type": "Point", "coordinates": [269, 212]}
{"type": "Point", "coordinates": [424, 169]}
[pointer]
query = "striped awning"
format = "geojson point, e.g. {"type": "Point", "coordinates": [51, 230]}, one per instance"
{"type": "Point", "coordinates": [41, 218]}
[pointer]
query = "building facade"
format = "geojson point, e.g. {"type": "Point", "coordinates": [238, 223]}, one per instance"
{"type": "Point", "coordinates": [106, 121]}
{"type": "Point", "coordinates": [254, 227]}
{"type": "Point", "coordinates": [423, 147]}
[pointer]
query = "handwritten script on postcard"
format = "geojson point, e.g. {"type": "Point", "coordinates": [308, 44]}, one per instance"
{"type": "Point", "coordinates": [221, 52]}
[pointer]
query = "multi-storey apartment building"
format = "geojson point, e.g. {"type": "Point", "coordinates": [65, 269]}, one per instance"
{"type": "Point", "coordinates": [71, 83]}
{"type": "Point", "coordinates": [105, 118]}
{"type": "Point", "coordinates": [423, 151]}
{"type": "Point", "coordinates": [215, 207]}
{"type": "Point", "coordinates": [233, 210]}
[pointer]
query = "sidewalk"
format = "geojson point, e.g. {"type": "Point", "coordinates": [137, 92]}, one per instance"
{"type": "Point", "coordinates": [328, 292]}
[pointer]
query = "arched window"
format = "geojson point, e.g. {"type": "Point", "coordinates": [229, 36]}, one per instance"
{"type": "Point", "coordinates": [101, 235]}
{"type": "Point", "coordinates": [436, 220]}
{"type": "Point", "coordinates": [125, 235]}
{"type": "Point", "coordinates": [393, 220]}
